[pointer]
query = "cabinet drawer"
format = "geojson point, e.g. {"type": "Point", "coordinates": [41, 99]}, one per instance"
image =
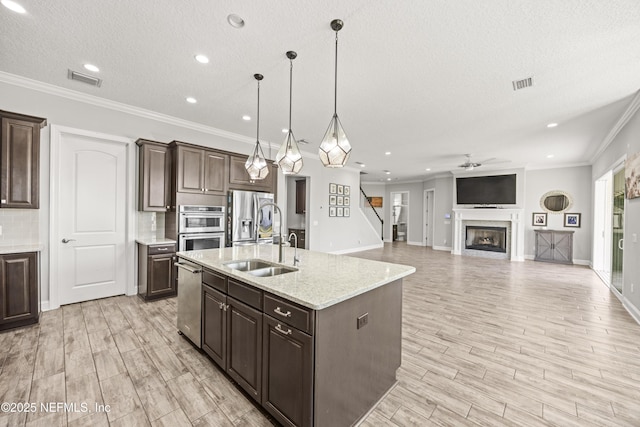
{"type": "Point", "coordinates": [289, 313]}
{"type": "Point", "coordinates": [246, 294]}
{"type": "Point", "coordinates": [162, 249]}
{"type": "Point", "coordinates": [216, 281]}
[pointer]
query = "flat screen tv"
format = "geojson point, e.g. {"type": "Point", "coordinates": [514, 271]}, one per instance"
{"type": "Point", "coordinates": [486, 190]}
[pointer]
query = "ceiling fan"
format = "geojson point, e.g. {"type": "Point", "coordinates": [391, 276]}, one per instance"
{"type": "Point", "coordinates": [468, 165]}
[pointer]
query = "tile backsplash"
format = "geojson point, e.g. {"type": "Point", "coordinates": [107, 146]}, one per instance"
{"type": "Point", "coordinates": [19, 226]}
{"type": "Point", "coordinates": [150, 224]}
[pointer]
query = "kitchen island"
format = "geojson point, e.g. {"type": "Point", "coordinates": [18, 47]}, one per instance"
{"type": "Point", "coordinates": [319, 345]}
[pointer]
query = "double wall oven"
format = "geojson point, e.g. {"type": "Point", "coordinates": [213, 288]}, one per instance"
{"type": "Point", "coordinates": [201, 227]}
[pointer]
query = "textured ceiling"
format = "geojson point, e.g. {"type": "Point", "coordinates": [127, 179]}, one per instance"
{"type": "Point", "coordinates": [427, 80]}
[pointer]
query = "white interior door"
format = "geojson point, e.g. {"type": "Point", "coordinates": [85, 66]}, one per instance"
{"type": "Point", "coordinates": [428, 217]}
{"type": "Point", "coordinates": [91, 213]}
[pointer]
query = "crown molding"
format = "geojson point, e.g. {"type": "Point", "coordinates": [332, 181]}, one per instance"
{"type": "Point", "coordinates": [631, 110]}
{"type": "Point", "coordinates": [74, 95]}
{"type": "Point", "coordinates": [558, 166]}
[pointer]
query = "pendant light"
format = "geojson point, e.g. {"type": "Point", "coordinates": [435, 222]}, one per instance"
{"type": "Point", "coordinates": [289, 158]}
{"type": "Point", "coordinates": [256, 164]}
{"type": "Point", "coordinates": [335, 148]}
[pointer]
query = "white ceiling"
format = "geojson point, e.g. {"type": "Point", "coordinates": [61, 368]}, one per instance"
{"type": "Point", "coordinates": [427, 80]}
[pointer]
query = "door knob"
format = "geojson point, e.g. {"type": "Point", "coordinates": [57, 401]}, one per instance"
{"type": "Point", "coordinates": [68, 240]}
{"type": "Point", "coordinates": [621, 244]}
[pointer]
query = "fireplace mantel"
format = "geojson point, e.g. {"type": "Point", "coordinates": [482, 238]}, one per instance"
{"type": "Point", "coordinates": [514, 216]}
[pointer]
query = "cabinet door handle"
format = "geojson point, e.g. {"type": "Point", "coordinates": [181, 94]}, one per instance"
{"type": "Point", "coordinates": [221, 306]}
{"type": "Point", "coordinates": [282, 313]}
{"type": "Point", "coordinates": [206, 189]}
{"type": "Point", "coordinates": [162, 249]}
{"type": "Point", "coordinates": [282, 331]}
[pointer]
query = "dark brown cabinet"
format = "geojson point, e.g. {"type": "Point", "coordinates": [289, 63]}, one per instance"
{"type": "Point", "coordinates": [239, 178]}
{"type": "Point", "coordinates": [200, 171]}
{"type": "Point", "coordinates": [301, 196]}
{"type": "Point", "coordinates": [19, 287]}
{"type": "Point", "coordinates": [155, 176]}
{"type": "Point", "coordinates": [244, 340]}
{"type": "Point", "coordinates": [287, 366]}
{"type": "Point", "coordinates": [554, 246]}
{"type": "Point", "coordinates": [214, 325]}
{"type": "Point", "coordinates": [156, 271]}
{"type": "Point", "coordinates": [20, 161]}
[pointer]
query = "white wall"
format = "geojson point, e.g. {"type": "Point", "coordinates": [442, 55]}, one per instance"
{"type": "Point", "coordinates": [415, 214]}
{"type": "Point", "coordinates": [76, 110]}
{"type": "Point", "coordinates": [576, 181]}
{"type": "Point", "coordinates": [626, 143]}
{"type": "Point", "coordinates": [442, 207]}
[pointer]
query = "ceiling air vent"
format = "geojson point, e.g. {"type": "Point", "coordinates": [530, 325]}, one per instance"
{"type": "Point", "coordinates": [522, 84]}
{"type": "Point", "coordinates": [84, 78]}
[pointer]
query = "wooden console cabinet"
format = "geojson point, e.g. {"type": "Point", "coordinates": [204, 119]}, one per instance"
{"type": "Point", "coordinates": [554, 246]}
{"type": "Point", "coordinates": [19, 290]}
{"type": "Point", "coordinates": [20, 160]}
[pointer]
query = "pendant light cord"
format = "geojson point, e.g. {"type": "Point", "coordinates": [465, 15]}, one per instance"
{"type": "Point", "coordinates": [290, 90]}
{"type": "Point", "coordinates": [258, 118]}
{"type": "Point", "coordinates": [335, 92]}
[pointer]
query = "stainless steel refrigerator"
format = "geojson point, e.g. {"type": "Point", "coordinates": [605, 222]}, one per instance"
{"type": "Point", "coordinates": [248, 221]}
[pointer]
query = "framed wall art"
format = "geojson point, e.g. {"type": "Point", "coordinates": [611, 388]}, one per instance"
{"type": "Point", "coordinates": [572, 220]}
{"type": "Point", "coordinates": [332, 199]}
{"type": "Point", "coordinates": [347, 212]}
{"type": "Point", "coordinates": [339, 211]}
{"type": "Point", "coordinates": [347, 190]}
{"type": "Point", "coordinates": [340, 189]}
{"type": "Point", "coordinates": [539, 219]}
{"type": "Point", "coordinates": [347, 200]}
{"type": "Point", "coordinates": [332, 188]}
{"type": "Point", "coordinates": [340, 200]}
{"type": "Point", "coordinates": [632, 176]}
{"type": "Point", "coordinates": [332, 211]}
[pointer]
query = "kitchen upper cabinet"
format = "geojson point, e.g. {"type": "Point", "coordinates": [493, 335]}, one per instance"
{"type": "Point", "coordinates": [239, 179]}
{"type": "Point", "coordinates": [155, 176]}
{"type": "Point", "coordinates": [301, 196]}
{"type": "Point", "coordinates": [200, 171]}
{"type": "Point", "coordinates": [20, 161]}
{"type": "Point", "coordinates": [19, 288]}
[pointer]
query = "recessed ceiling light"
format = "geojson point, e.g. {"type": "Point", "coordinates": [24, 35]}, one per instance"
{"type": "Point", "coordinates": [202, 59]}
{"type": "Point", "coordinates": [388, 179]}
{"type": "Point", "coordinates": [245, 117]}
{"type": "Point", "coordinates": [11, 5]}
{"type": "Point", "coordinates": [550, 156]}
{"type": "Point", "coordinates": [362, 165]}
{"type": "Point", "coordinates": [235, 21]}
{"type": "Point", "coordinates": [92, 67]}
{"type": "Point", "coordinates": [191, 100]}
{"type": "Point", "coordinates": [388, 153]}
{"type": "Point", "coordinates": [285, 130]}
{"type": "Point", "coordinates": [552, 125]}
{"type": "Point", "coordinates": [428, 169]}
{"type": "Point", "coordinates": [387, 172]}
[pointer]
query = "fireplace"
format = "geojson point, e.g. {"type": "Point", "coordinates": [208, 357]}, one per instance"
{"type": "Point", "coordinates": [483, 238]}
{"type": "Point", "coordinates": [512, 219]}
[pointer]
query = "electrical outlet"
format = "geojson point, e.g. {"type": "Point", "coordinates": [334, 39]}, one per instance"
{"type": "Point", "coordinates": [363, 320]}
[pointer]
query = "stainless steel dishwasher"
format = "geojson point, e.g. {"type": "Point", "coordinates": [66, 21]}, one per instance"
{"type": "Point", "coordinates": [189, 300]}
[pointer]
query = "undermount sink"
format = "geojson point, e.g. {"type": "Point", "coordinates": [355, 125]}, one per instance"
{"type": "Point", "coordinates": [248, 264]}
{"type": "Point", "coordinates": [271, 271]}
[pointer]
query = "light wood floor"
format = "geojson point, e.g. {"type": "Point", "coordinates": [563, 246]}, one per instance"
{"type": "Point", "coordinates": [486, 342]}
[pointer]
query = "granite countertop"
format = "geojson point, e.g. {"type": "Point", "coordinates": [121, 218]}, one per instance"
{"type": "Point", "coordinates": [322, 279]}
{"type": "Point", "coordinates": [152, 240]}
{"type": "Point", "coordinates": [16, 249]}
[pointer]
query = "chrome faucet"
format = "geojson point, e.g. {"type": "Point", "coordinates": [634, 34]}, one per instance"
{"type": "Point", "coordinates": [296, 260]}
{"type": "Point", "coordinates": [280, 236]}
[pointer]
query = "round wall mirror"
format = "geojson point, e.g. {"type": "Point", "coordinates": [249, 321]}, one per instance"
{"type": "Point", "coordinates": [556, 201]}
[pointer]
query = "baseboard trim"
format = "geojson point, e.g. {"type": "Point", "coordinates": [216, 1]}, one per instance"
{"type": "Point", "coordinates": [575, 261]}
{"type": "Point", "coordinates": [44, 305]}
{"type": "Point", "coordinates": [358, 249]}
{"type": "Point", "coordinates": [632, 309]}
{"type": "Point", "coordinates": [415, 243]}
{"type": "Point", "coordinates": [442, 248]}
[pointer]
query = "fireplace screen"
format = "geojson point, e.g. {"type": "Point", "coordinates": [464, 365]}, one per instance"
{"type": "Point", "coordinates": [493, 239]}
